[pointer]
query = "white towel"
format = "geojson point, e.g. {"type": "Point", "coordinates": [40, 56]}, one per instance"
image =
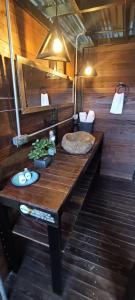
{"type": "Point", "coordinates": [44, 99]}
{"type": "Point", "coordinates": [117, 103]}
{"type": "Point", "coordinates": [82, 116]}
{"type": "Point", "coordinates": [90, 116]}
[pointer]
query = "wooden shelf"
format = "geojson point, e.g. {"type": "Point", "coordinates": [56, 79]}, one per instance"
{"type": "Point", "coordinates": [35, 109]}
{"type": "Point", "coordinates": [37, 231]}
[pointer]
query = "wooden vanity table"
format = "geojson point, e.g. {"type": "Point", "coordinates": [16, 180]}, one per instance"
{"type": "Point", "coordinates": [45, 203]}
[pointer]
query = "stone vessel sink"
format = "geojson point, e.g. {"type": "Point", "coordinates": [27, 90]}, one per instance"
{"type": "Point", "coordinates": [79, 142]}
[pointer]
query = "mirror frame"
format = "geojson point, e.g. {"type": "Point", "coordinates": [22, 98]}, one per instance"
{"type": "Point", "coordinates": [21, 86]}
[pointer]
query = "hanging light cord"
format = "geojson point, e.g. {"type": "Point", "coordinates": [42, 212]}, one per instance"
{"type": "Point", "coordinates": [56, 9]}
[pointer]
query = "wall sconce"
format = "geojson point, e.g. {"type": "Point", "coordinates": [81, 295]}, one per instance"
{"type": "Point", "coordinates": [54, 46]}
{"type": "Point", "coordinates": [86, 71]}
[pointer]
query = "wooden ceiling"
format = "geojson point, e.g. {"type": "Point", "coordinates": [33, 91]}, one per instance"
{"type": "Point", "coordinates": [105, 21]}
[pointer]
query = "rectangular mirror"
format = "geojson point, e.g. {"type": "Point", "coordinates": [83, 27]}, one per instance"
{"type": "Point", "coordinates": [42, 88]}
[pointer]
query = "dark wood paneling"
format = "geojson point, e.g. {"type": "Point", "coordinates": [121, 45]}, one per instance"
{"type": "Point", "coordinates": [114, 64]}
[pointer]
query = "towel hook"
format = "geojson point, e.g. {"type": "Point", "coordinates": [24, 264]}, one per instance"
{"type": "Point", "coordinates": [122, 87]}
{"type": "Point", "coordinates": [43, 90]}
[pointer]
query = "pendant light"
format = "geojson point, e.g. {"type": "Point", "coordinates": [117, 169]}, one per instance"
{"type": "Point", "coordinates": [54, 46]}
{"type": "Point", "coordinates": [87, 71]}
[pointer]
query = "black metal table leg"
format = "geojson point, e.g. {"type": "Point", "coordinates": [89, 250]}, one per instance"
{"type": "Point", "coordinates": [7, 240]}
{"type": "Point", "coordinates": [54, 236]}
{"type": "Point", "coordinates": [130, 290]}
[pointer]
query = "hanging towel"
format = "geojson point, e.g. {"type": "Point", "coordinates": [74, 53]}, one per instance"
{"type": "Point", "coordinates": [44, 99]}
{"type": "Point", "coordinates": [90, 116]}
{"type": "Point", "coordinates": [82, 116]}
{"type": "Point", "coordinates": [117, 103]}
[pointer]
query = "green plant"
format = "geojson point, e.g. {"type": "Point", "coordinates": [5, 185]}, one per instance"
{"type": "Point", "coordinates": [40, 148]}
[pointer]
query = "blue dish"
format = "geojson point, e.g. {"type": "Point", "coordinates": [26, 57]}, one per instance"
{"type": "Point", "coordinates": [34, 178]}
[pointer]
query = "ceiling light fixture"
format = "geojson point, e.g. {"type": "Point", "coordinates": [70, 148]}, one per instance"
{"type": "Point", "coordinates": [54, 46]}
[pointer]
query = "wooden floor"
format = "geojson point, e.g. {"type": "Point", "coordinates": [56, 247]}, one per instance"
{"type": "Point", "coordinates": [99, 255]}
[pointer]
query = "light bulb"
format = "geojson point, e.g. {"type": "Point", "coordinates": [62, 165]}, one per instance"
{"type": "Point", "coordinates": [88, 70]}
{"type": "Point", "coordinates": [57, 45]}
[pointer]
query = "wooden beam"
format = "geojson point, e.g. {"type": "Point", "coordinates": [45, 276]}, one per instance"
{"type": "Point", "coordinates": [96, 7]}
{"type": "Point", "coordinates": [109, 40]}
{"type": "Point", "coordinates": [77, 11]}
{"type": "Point", "coordinates": [94, 3]}
{"type": "Point", "coordinates": [115, 41]}
{"type": "Point", "coordinates": [34, 12]}
{"type": "Point", "coordinates": [62, 9]}
{"type": "Point", "coordinates": [97, 4]}
{"type": "Point", "coordinates": [117, 30]}
{"type": "Point", "coordinates": [70, 8]}
{"type": "Point", "coordinates": [126, 20]}
{"type": "Point", "coordinates": [74, 6]}
{"type": "Point", "coordinates": [119, 40]}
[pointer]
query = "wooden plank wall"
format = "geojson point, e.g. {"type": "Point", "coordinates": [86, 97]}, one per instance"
{"type": "Point", "coordinates": [114, 63]}
{"type": "Point", "coordinates": [28, 36]}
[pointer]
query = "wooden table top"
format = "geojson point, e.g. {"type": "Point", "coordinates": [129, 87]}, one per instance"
{"type": "Point", "coordinates": [55, 182]}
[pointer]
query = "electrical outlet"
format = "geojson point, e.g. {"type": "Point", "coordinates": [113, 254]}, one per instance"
{"type": "Point", "coordinates": [20, 140]}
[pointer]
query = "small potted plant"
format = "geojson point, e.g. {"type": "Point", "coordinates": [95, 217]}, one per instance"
{"type": "Point", "coordinates": [39, 153]}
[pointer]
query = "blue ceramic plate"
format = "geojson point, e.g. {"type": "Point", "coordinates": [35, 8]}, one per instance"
{"type": "Point", "coordinates": [34, 178]}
